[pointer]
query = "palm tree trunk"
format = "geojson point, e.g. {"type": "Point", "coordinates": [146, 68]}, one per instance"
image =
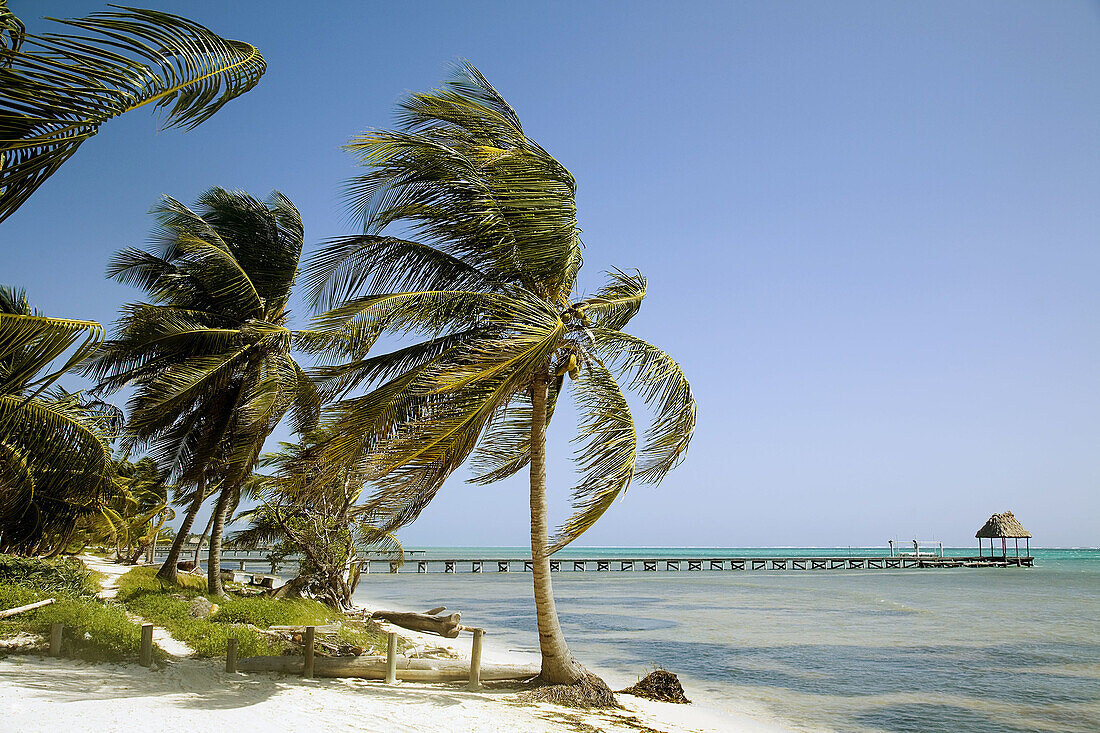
{"type": "Point", "coordinates": [214, 558]}
{"type": "Point", "coordinates": [168, 571]}
{"type": "Point", "coordinates": [202, 538]}
{"type": "Point", "coordinates": [558, 665]}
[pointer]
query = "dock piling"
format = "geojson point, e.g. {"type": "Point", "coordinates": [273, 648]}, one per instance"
{"type": "Point", "coordinates": [231, 655]}
{"type": "Point", "coordinates": [56, 630]}
{"type": "Point", "coordinates": [475, 661]}
{"type": "Point", "coordinates": [145, 659]}
{"type": "Point", "coordinates": [307, 666]}
{"type": "Point", "coordinates": [391, 658]}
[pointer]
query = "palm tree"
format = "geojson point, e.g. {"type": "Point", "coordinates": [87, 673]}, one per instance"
{"type": "Point", "coordinates": [55, 464]}
{"type": "Point", "coordinates": [210, 355]}
{"type": "Point", "coordinates": [489, 283]}
{"type": "Point", "coordinates": [56, 90]}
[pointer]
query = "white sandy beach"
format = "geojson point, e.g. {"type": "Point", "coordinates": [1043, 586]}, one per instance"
{"type": "Point", "coordinates": [46, 694]}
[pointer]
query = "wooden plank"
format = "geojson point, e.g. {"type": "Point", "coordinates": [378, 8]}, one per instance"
{"type": "Point", "coordinates": [502, 566]}
{"type": "Point", "coordinates": [374, 668]}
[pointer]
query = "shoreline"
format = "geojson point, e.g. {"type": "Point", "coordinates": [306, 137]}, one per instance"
{"type": "Point", "coordinates": [50, 694]}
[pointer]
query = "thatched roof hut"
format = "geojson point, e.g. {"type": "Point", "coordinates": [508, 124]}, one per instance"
{"type": "Point", "coordinates": [1004, 525]}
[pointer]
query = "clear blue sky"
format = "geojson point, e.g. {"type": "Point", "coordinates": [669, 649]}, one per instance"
{"type": "Point", "coordinates": [871, 231]}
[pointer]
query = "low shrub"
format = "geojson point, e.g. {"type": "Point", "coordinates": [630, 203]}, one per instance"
{"type": "Point", "coordinates": [169, 606]}
{"type": "Point", "coordinates": [60, 575]}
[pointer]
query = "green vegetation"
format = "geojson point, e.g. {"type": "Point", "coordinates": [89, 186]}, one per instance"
{"type": "Point", "coordinates": [67, 576]}
{"type": "Point", "coordinates": [168, 605]}
{"type": "Point", "coordinates": [94, 630]}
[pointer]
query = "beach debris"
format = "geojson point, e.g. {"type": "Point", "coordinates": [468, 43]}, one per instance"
{"type": "Point", "coordinates": [28, 607]}
{"type": "Point", "coordinates": [588, 692]}
{"type": "Point", "coordinates": [437, 610]}
{"type": "Point", "coordinates": [445, 626]}
{"type": "Point", "coordinates": [659, 685]}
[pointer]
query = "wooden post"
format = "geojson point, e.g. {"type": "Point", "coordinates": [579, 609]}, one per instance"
{"type": "Point", "coordinates": [391, 658]}
{"type": "Point", "coordinates": [55, 639]}
{"type": "Point", "coordinates": [231, 656]}
{"type": "Point", "coordinates": [307, 666]}
{"type": "Point", "coordinates": [145, 659]}
{"type": "Point", "coordinates": [475, 661]}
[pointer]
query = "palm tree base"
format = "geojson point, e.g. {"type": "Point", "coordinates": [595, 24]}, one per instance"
{"type": "Point", "coordinates": [588, 692]}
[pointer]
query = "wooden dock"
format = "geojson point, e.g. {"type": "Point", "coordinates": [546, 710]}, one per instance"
{"type": "Point", "coordinates": [696, 564]}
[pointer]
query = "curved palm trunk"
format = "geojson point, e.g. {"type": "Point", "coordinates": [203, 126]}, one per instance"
{"type": "Point", "coordinates": [202, 539]}
{"type": "Point", "coordinates": [168, 571]}
{"type": "Point", "coordinates": [558, 664]}
{"type": "Point", "coordinates": [214, 559]}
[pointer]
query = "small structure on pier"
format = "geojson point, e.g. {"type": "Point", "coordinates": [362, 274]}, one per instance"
{"type": "Point", "coordinates": [1005, 526]}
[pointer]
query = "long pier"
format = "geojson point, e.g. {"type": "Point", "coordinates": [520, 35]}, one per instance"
{"type": "Point", "coordinates": [650, 564]}
{"type": "Point", "coordinates": [690, 564]}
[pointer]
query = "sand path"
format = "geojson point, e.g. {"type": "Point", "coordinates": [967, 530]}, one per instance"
{"type": "Point", "coordinates": [109, 589]}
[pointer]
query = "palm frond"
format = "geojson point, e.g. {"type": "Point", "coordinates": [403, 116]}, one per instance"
{"type": "Point", "coordinates": [56, 90]}
{"type": "Point", "coordinates": [616, 303]}
{"type": "Point", "coordinates": [606, 450]}
{"type": "Point", "coordinates": [661, 382]}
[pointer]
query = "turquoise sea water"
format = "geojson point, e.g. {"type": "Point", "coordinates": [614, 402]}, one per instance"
{"type": "Point", "coordinates": [1002, 650]}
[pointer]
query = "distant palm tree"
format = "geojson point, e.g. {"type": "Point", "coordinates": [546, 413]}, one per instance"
{"type": "Point", "coordinates": [489, 283]}
{"type": "Point", "coordinates": [210, 356]}
{"type": "Point", "coordinates": [55, 463]}
{"type": "Point", "coordinates": [56, 90]}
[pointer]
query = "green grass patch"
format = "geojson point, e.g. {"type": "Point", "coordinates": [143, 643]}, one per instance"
{"type": "Point", "coordinates": [94, 630]}
{"type": "Point", "coordinates": [168, 605]}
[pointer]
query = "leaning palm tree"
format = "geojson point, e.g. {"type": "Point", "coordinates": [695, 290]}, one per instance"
{"type": "Point", "coordinates": [56, 90]}
{"type": "Point", "coordinates": [55, 465]}
{"type": "Point", "coordinates": [210, 355]}
{"type": "Point", "coordinates": [488, 281]}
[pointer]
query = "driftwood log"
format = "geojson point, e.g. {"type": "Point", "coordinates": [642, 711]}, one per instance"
{"type": "Point", "coordinates": [31, 607]}
{"type": "Point", "coordinates": [446, 626]}
{"type": "Point", "coordinates": [374, 668]}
